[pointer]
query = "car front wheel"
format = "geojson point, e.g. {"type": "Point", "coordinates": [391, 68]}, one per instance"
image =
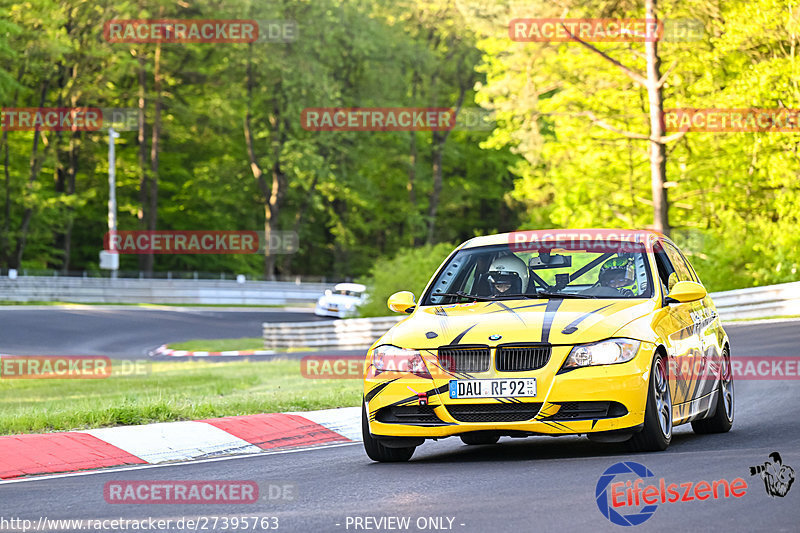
{"type": "Point", "coordinates": [377, 451]}
{"type": "Point", "coordinates": [657, 432]}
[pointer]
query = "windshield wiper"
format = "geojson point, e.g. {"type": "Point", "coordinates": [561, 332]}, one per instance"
{"type": "Point", "coordinates": [508, 296]}
{"type": "Point", "coordinates": [563, 295]}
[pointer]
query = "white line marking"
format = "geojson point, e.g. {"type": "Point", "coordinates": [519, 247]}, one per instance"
{"type": "Point", "coordinates": [112, 470]}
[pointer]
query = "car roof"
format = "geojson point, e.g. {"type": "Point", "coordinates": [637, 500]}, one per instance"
{"type": "Point", "coordinates": [355, 287]}
{"type": "Point", "coordinates": [645, 236]}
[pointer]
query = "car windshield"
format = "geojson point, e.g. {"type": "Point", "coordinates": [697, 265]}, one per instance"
{"type": "Point", "coordinates": [347, 293]}
{"type": "Point", "coordinates": [496, 273]}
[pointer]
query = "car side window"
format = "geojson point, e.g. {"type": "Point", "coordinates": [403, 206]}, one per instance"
{"type": "Point", "coordinates": [691, 268]}
{"type": "Point", "coordinates": [663, 264]}
{"type": "Point", "coordinates": [675, 257]}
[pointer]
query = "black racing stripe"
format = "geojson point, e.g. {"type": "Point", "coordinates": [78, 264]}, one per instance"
{"type": "Point", "coordinates": [543, 413]}
{"type": "Point", "coordinates": [516, 308]}
{"type": "Point", "coordinates": [414, 398]}
{"type": "Point", "coordinates": [461, 335]}
{"type": "Point", "coordinates": [556, 425]}
{"type": "Point", "coordinates": [573, 326]}
{"type": "Point", "coordinates": [549, 315]}
{"type": "Point", "coordinates": [377, 390]}
{"type": "Point", "coordinates": [508, 309]}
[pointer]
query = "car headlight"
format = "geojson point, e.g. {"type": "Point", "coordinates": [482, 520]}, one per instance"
{"type": "Point", "coordinates": [607, 352]}
{"type": "Point", "coordinates": [388, 358]}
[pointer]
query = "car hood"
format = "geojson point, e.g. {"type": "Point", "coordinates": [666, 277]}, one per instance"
{"type": "Point", "coordinates": [557, 321]}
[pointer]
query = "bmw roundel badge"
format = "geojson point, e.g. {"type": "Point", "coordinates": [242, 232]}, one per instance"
{"type": "Point", "coordinates": [495, 337]}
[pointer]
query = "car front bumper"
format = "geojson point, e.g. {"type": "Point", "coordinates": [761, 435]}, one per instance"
{"type": "Point", "coordinates": [560, 399]}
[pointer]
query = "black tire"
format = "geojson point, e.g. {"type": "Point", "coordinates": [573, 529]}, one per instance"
{"type": "Point", "coordinates": [377, 451]}
{"type": "Point", "coordinates": [657, 432]}
{"type": "Point", "coordinates": [722, 419]}
{"type": "Point", "coordinates": [477, 438]}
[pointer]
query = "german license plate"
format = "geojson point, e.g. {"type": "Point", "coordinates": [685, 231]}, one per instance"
{"type": "Point", "coordinates": [492, 388]}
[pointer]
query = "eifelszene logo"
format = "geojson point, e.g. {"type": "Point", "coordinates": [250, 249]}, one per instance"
{"type": "Point", "coordinates": [614, 498]}
{"type": "Point", "coordinates": [778, 477]}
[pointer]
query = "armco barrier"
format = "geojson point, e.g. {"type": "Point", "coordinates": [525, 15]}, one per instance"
{"type": "Point", "coordinates": [758, 302]}
{"type": "Point", "coordinates": [354, 333]}
{"type": "Point", "coordinates": [158, 291]}
{"type": "Point", "coordinates": [360, 333]}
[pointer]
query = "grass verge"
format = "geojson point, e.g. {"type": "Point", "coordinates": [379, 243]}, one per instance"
{"type": "Point", "coordinates": [220, 345]}
{"type": "Point", "coordinates": [167, 391]}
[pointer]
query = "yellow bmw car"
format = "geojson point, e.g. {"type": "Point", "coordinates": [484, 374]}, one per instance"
{"type": "Point", "coordinates": [607, 333]}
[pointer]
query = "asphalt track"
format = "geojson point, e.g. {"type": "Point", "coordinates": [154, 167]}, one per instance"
{"type": "Point", "coordinates": [520, 485]}
{"type": "Point", "coordinates": [125, 331]}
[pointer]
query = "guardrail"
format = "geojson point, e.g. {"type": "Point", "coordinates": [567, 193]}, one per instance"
{"type": "Point", "coordinates": [360, 333]}
{"type": "Point", "coordinates": [346, 334]}
{"type": "Point", "coordinates": [158, 291]}
{"type": "Point", "coordinates": [758, 302]}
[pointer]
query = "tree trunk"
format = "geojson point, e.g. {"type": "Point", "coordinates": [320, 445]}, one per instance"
{"type": "Point", "coordinates": [4, 250]}
{"type": "Point", "coordinates": [255, 168]}
{"type": "Point", "coordinates": [34, 174]}
{"type": "Point", "coordinates": [439, 138]}
{"type": "Point", "coordinates": [658, 149]}
{"type": "Point", "coordinates": [152, 218]}
{"type": "Point", "coordinates": [436, 156]}
{"type": "Point", "coordinates": [72, 169]}
{"type": "Point", "coordinates": [144, 180]}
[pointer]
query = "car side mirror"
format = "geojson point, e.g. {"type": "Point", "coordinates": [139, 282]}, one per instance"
{"type": "Point", "coordinates": [686, 291]}
{"type": "Point", "coordinates": [328, 292]}
{"type": "Point", "coordinates": [402, 302]}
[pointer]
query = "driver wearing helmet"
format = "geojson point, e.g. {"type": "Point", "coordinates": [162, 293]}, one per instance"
{"type": "Point", "coordinates": [507, 274]}
{"type": "Point", "coordinates": [615, 274]}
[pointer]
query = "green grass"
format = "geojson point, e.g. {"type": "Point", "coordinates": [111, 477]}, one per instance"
{"type": "Point", "coordinates": [167, 391]}
{"type": "Point", "coordinates": [220, 345]}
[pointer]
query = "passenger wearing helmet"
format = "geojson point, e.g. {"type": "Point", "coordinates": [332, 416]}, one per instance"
{"type": "Point", "coordinates": [615, 274]}
{"type": "Point", "coordinates": [508, 274]}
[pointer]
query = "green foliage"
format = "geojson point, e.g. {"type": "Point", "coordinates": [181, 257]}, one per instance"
{"type": "Point", "coordinates": [354, 197]}
{"type": "Point", "coordinates": [733, 196]}
{"type": "Point", "coordinates": [409, 270]}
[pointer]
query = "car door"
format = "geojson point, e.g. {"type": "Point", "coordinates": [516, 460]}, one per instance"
{"type": "Point", "coordinates": [701, 341]}
{"type": "Point", "coordinates": [709, 333]}
{"type": "Point", "coordinates": [674, 324]}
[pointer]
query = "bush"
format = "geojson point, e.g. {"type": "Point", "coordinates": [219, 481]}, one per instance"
{"type": "Point", "coordinates": [409, 270]}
